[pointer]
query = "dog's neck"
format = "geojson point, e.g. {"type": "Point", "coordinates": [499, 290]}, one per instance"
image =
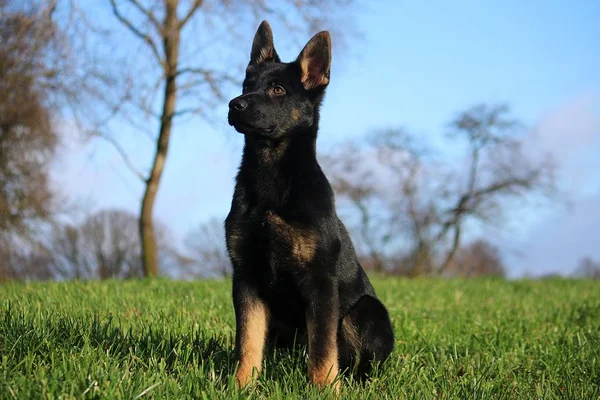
{"type": "Point", "coordinates": [277, 154]}
{"type": "Point", "coordinates": [272, 165]}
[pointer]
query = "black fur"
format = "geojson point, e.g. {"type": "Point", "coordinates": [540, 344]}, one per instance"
{"type": "Point", "coordinates": [290, 251]}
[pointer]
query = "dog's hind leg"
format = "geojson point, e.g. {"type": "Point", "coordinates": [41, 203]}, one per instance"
{"type": "Point", "coordinates": [366, 336]}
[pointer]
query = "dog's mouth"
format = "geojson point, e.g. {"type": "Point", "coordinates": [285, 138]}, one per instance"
{"type": "Point", "coordinates": [246, 128]}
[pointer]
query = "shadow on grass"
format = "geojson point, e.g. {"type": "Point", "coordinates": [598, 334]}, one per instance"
{"type": "Point", "coordinates": [145, 348]}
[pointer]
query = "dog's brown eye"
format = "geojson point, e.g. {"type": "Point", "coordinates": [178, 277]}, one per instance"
{"type": "Point", "coordinates": [277, 90]}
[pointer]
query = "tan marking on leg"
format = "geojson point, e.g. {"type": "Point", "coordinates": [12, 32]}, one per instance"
{"type": "Point", "coordinates": [302, 241]}
{"type": "Point", "coordinates": [324, 372]}
{"type": "Point", "coordinates": [353, 340]}
{"type": "Point", "coordinates": [352, 337]}
{"type": "Point", "coordinates": [253, 339]}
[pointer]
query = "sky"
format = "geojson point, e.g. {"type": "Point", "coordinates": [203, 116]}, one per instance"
{"type": "Point", "coordinates": [414, 65]}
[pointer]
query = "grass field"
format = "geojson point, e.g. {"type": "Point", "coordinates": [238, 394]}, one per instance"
{"type": "Point", "coordinates": [162, 339]}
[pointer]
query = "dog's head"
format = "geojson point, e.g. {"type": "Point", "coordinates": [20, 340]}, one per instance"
{"type": "Point", "coordinates": [281, 98]}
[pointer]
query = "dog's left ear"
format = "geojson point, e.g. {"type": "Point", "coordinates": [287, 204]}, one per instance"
{"type": "Point", "coordinates": [315, 60]}
{"type": "Point", "coordinates": [263, 48]}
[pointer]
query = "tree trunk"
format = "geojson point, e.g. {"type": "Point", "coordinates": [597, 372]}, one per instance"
{"type": "Point", "coordinates": [364, 231]}
{"type": "Point", "coordinates": [171, 48]}
{"type": "Point", "coordinates": [450, 256]}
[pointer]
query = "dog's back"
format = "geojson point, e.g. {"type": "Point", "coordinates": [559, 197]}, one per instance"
{"type": "Point", "coordinates": [296, 273]}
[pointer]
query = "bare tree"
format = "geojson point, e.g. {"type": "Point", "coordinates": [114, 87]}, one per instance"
{"type": "Point", "coordinates": [23, 261]}
{"type": "Point", "coordinates": [104, 245]}
{"type": "Point", "coordinates": [588, 268]}
{"type": "Point", "coordinates": [190, 59]}
{"type": "Point", "coordinates": [428, 203]}
{"type": "Point", "coordinates": [206, 250]}
{"type": "Point", "coordinates": [498, 170]}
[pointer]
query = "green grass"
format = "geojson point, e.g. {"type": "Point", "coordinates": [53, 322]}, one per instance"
{"type": "Point", "coordinates": [163, 339]}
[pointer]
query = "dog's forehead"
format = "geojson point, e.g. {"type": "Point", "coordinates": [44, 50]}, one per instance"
{"type": "Point", "coordinates": [267, 71]}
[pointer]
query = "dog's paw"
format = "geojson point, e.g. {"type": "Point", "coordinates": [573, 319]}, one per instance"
{"type": "Point", "coordinates": [245, 376]}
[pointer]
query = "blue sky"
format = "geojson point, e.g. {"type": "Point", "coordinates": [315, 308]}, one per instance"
{"type": "Point", "coordinates": [415, 66]}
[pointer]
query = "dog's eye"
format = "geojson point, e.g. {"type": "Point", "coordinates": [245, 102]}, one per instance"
{"type": "Point", "coordinates": [277, 90]}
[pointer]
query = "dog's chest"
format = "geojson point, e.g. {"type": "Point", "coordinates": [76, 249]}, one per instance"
{"type": "Point", "coordinates": [267, 238]}
{"type": "Point", "coordinates": [290, 243]}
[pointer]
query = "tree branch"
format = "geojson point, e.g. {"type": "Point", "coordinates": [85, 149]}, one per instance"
{"type": "Point", "coordinates": [450, 256]}
{"type": "Point", "coordinates": [190, 13]}
{"type": "Point", "coordinates": [124, 156]}
{"type": "Point", "coordinates": [510, 183]}
{"type": "Point", "coordinates": [148, 14]}
{"type": "Point", "coordinates": [143, 36]}
{"type": "Point", "coordinates": [208, 74]}
{"type": "Point", "coordinates": [208, 77]}
{"type": "Point", "coordinates": [184, 111]}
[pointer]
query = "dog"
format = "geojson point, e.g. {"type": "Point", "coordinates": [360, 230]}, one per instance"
{"type": "Point", "coordinates": [296, 276]}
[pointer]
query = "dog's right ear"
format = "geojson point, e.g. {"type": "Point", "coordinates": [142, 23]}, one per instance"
{"type": "Point", "coordinates": [263, 49]}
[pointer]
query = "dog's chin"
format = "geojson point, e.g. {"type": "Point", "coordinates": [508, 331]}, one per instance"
{"type": "Point", "coordinates": [248, 129]}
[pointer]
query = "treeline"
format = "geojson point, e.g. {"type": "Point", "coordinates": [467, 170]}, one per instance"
{"type": "Point", "coordinates": [106, 245]}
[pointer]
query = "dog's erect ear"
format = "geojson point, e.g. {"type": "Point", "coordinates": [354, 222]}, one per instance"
{"type": "Point", "coordinates": [315, 61]}
{"type": "Point", "coordinates": [263, 48]}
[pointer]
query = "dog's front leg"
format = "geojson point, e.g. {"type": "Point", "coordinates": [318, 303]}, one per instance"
{"type": "Point", "coordinates": [252, 319]}
{"type": "Point", "coordinates": [322, 324]}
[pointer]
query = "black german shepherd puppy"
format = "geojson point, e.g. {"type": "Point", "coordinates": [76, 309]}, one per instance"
{"type": "Point", "coordinates": [296, 275]}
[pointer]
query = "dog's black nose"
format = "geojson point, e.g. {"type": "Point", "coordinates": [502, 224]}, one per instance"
{"type": "Point", "coordinates": [238, 104]}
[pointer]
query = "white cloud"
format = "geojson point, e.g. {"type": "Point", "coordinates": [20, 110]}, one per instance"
{"type": "Point", "coordinates": [554, 239]}
{"type": "Point", "coordinates": [571, 127]}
